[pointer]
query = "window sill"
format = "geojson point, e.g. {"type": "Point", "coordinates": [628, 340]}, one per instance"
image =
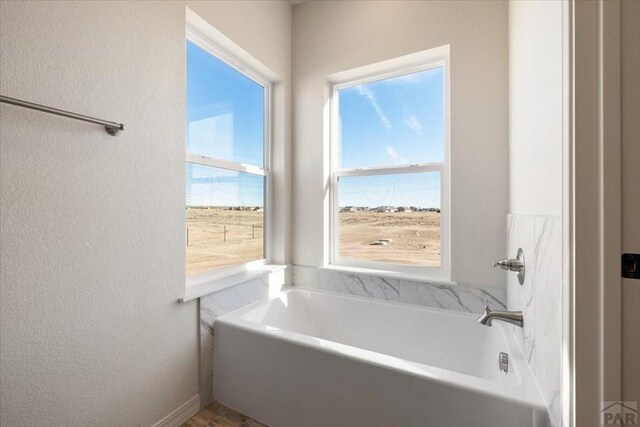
{"type": "Point", "coordinates": [387, 274]}
{"type": "Point", "coordinates": [200, 287]}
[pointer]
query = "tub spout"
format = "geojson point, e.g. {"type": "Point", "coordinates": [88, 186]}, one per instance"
{"type": "Point", "coordinates": [513, 317]}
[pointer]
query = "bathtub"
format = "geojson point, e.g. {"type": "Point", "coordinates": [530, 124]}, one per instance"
{"type": "Point", "coordinates": [311, 358]}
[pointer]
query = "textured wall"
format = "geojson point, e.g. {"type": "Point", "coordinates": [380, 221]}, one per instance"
{"type": "Point", "coordinates": [92, 255]}
{"type": "Point", "coordinates": [334, 36]}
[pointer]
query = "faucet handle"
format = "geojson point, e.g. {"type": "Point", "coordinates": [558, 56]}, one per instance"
{"type": "Point", "coordinates": [516, 265]}
{"type": "Point", "coordinates": [504, 264]}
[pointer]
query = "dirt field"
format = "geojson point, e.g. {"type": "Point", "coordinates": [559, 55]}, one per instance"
{"type": "Point", "coordinates": [415, 237]}
{"type": "Point", "coordinates": [207, 249]}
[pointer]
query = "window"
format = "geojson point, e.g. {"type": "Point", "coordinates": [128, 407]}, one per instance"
{"type": "Point", "coordinates": [390, 173]}
{"type": "Point", "coordinates": [226, 162]}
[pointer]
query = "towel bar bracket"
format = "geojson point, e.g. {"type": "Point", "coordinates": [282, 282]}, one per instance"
{"type": "Point", "coordinates": [113, 130]}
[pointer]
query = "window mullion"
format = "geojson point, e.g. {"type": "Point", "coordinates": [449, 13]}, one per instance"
{"type": "Point", "coordinates": [430, 167]}
{"type": "Point", "coordinates": [200, 160]}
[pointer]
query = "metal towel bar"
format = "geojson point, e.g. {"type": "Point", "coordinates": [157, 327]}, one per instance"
{"type": "Point", "coordinates": [112, 128]}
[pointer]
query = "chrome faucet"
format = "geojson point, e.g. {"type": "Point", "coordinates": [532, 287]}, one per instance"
{"type": "Point", "coordinates": [516, 265]}
{"type": "Point", "coordinates": [514, 317]}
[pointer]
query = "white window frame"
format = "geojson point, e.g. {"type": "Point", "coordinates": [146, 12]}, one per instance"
{"type": "Point", "coordinates": [433, 58]}
{"type": "Point", "coordinates": [196, 35]}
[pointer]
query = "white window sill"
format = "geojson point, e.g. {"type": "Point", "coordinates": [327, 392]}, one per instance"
{"type": "Point", "coordinates": [199, 287]}
{"type": "Point", "coordinates": [388, 274]}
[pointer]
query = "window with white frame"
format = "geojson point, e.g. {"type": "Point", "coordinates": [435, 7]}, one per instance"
{"type": "Point", "coordinates": [227, 161]}
{"type": "Point", "coordinates": [390, 171]}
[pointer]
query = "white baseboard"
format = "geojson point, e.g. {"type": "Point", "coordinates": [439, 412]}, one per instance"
{"type": "Point", "coordinates": [182, 414]}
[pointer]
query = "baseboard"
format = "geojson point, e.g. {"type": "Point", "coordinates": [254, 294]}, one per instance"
{"type": "Point", "coordinates": [182, 414]}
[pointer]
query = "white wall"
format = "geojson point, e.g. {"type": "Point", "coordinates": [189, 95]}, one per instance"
{"type": "Point", "coordinates": [535, 107]}
{"type": "Point", "coordinates": [535, 163]}
{"type": "Point", "coordinates": [330, 37]}
{"type": "Point", "coordinates": [92, 256]}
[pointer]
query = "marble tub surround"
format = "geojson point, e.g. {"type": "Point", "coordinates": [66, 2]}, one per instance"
{"type": "Point", "coordinates": [451, 297]}
{"type": "Point", "coordinates": [540, 299]}
{"type": "Point", "coordinates": [521, 234]}
{"type": "Point", "coordinates": [222, 302]}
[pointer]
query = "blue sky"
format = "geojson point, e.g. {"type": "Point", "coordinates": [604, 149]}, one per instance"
{"type": "Point", "coordinates": [225, 110]}
{"type": "Point", "coordinates": [218, 187]}
{"type": "Point", "coordinates": [383, 123]}
{"type": "Point", "coordinates": [388, 123]}
{"type": "Point", "coordinates": [392, 121]}
{"type": "Point", "coordinates": [225, 119]}
{"type": "Point", "coordinates": [409, 189]}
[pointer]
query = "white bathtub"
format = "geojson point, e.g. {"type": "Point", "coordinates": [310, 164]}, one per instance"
{"type": "Point", "coordinates": [310, 358]}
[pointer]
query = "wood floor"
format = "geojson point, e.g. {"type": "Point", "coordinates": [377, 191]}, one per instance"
{"type": "Point", "coordinates": [217, 415]}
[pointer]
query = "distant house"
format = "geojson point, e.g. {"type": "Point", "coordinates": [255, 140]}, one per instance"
{"type": "Point", "coordinates": [404, 209]}
{"type": "Point", "coordinates": [383, 209]}
{"type": "Point", "coordinates": [349, 209]}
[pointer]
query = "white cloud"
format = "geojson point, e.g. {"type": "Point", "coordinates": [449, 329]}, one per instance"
{"type": "Point", "coordinates": [413, 122]}
{"type": "Point", "coordinates": [393, 155]}
{"type": "Point", "coordinates": [367, 93]}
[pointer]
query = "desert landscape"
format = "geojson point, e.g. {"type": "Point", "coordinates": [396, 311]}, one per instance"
{"type": "Point", "coordinates": [220, 237]}
{"type": "Point", "coordinates": [409, 237]}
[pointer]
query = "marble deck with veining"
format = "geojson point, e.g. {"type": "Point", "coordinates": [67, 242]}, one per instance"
{"type": "Point", "coordinates": [471, 299]}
